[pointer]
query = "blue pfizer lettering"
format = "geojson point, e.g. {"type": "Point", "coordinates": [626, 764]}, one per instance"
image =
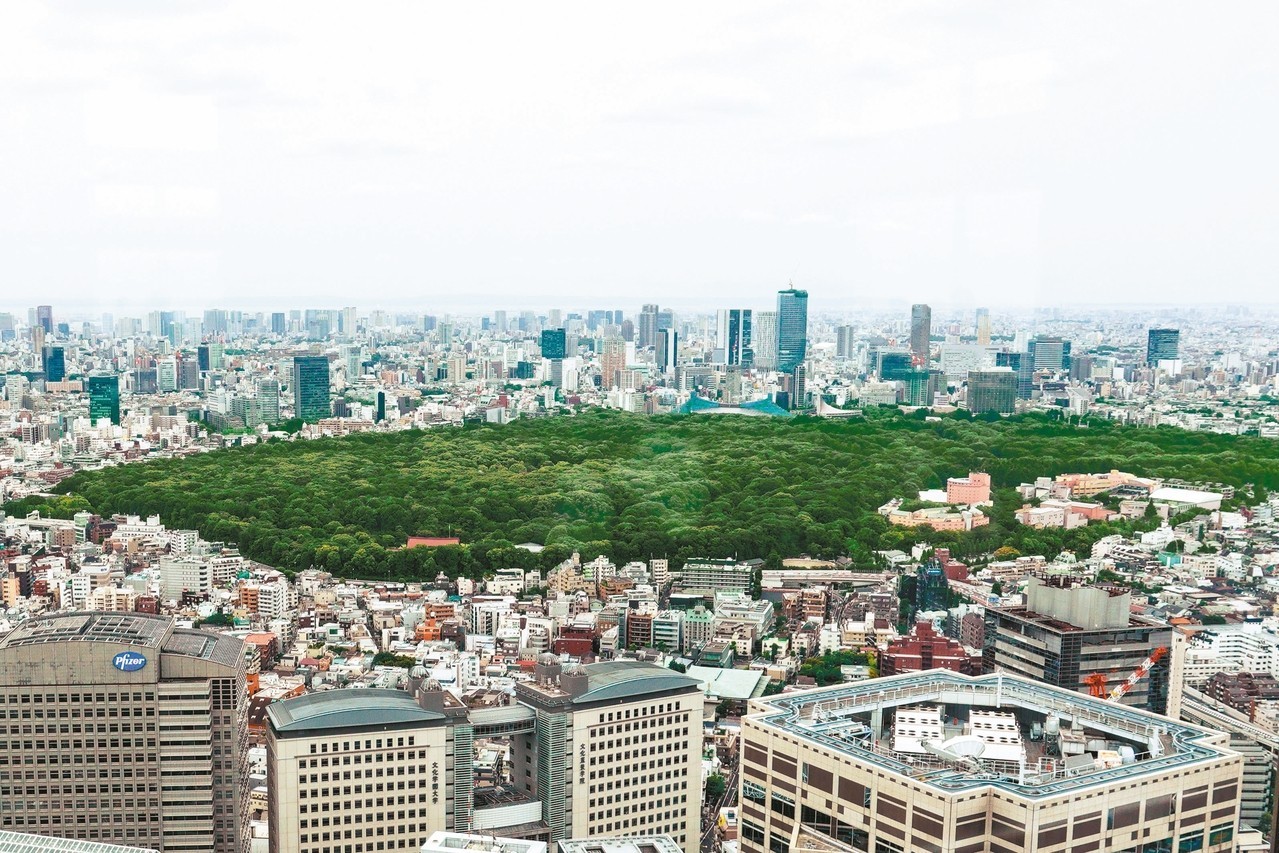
{"type": "Point", "coordinates": [128, 661]}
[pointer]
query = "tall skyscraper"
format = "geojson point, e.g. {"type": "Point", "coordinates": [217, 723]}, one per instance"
{"type": "Point", "coordinates": [983, 327]}
{"type": "Point", "coordinates": [921, 332]}
{"type": "Point", "coordinates": [792, 328]}
{"type": "Point", "coordinates": [278, 326]}
{"type": "Point", "coordinates": [1048, 353]}
{"type": "Point", "coordinates": [764, 340]}
{"type": "Point", "coordinates": [612, 363]}
{"type": "Point", "coordinates": [647, 331]}
{"type": "Point", "coordinates": [667, 350]}
{"type": "Point", "coordinates": [845, 345]}
{"type": "Point", "coordinates": [55, 364]}
{"type": "Point", "coordinates": [139, 733]}
{"type": "Point", "coordinates": [554, 343]}
{"type": "Point", "coordinates": [734, 336]}
{"type": "Point", "coordinates": [104, 398]}
{"type": "Point", "coordinates": [44, 318]}
{"type": "Point", "coordinates": [992, 390]}
{"type": "Point", "coordinates": [347, 321]}
{"type": "Point", "coordinates": [311, 388]}
{"type": "Point", "coordinates": [269, 401]}
{"type": "Point", "coordinates": [1162, 345]}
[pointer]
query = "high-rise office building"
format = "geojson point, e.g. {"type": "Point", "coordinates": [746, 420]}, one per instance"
{"type": "Point", "coordinates": [992, 390]}
{"type": "Point", "coordinates": [139, 733]}
{"type": "Point", "coordinates": [269, 401]}
{"type": "Point", "coordinates": [845, 343]}
{"type": "Point", "coordinates": [347, 321]}
{"type": "Point", "coordinates": [554, 343]}
{"type": "Point", "coordinates": [764, 340]}
{"type": "Point", "coordinates": [921, 333]}
{"type": "Point", "coordinates": [891, 365]}
{"type": "Point", "coordinates": [1162, 345]}
{"type": "Point", "coordinates": [104, 398]}
{"type": "Point", "coordinates": [612, 363]}
{"type": "Point", "coordinates": [278, 325]}
{"type": "Point", "coordinates": [1021, 364]}
{"type": "Point", "coordinates": [983, 327]}
{"type": "Point", "coordinates": [55, 364]}
{"type": "Point", "coordinates": [615, 750]}
{"type": "Point", "coordinates": [311, 388]}
{"type": "Point", "coordinates": [667, 350]}
{"type": "Point", "coordinates": [942, 761]}
{"type": "Point", "coordinates": [647, 331]}
{"type": "Point", "coordinates": [44, 318]}
{"type": "Point", "coordinates": [1065, 634]}
{"type": "Point", "coordinates": [1048, 353]}
{"type": "Point", "coordinates": [202, 359]}
{"type": "Point", "coordinates": [792, 328]}
{"type": "Point", "coordinates": [734, 336]}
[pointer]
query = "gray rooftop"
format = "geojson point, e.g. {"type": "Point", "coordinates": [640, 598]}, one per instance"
{"type": "Point", "coordinates": [21, 842]}
{"type": "Point", "coordinates": [829, 717]}
{"type": "Point", "coordinates": [96, 626]}
{"type": "Point", "coordinates": [624, 679]}
{"type": "Point", "coordinates": [356, 708]}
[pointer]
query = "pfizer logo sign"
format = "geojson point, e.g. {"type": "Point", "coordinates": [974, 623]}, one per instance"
{"type": "Point", "coordinates": [128, 661]}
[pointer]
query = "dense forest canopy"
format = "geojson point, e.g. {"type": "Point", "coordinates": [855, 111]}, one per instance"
{"type": "Point", "coordinates": [634, 487]}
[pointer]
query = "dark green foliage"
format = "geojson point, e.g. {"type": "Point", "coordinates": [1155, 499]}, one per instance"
{"type": "Point", "coordinates": [636, 487]}
{"type": "Point", "coordinates": [388, 659]}
{"type": "Point", "coordinates": [825, 669]}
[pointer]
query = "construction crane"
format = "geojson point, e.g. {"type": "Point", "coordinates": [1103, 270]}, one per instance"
{"type": "Point", "coordinates": [1097, 681]}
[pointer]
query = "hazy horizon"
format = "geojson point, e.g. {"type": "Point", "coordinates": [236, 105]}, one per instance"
{"type": "Point", "coordinates": [465, 156]}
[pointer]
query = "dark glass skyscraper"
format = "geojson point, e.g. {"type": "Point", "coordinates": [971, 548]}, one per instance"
{"type": "Point", "coordinates": [921, 333]}
{"type": "Point", "coordinates": [736, 336]}
{"type": "Point", "coordinates": [277, 323]}
{"type": "Point", "coordinates": [792, 328]}
{"type": "Point", "coordinates": [55, 364]}
{"type": "Point", "coordinates": [553, 343]}
{"type": "Point", "coordinates": [44, 318]}
{"type": "Point", "coordinates": [311, 388]}
{"type": "Point", "coordinates": [104, 398]}
{"type": "Point", "coordinates": [1162, 345]}
{"type": "Point", "coordinates": [992, 390]}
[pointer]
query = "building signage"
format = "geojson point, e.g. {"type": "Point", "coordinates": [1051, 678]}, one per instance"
{"type": "Point", "coordinates": [128, 661]}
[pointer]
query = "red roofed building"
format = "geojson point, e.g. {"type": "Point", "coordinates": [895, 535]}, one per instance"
{"type": "Point", "coordinates": [926, 649]}
{"type": "Point", "coordinates": [432, 541]}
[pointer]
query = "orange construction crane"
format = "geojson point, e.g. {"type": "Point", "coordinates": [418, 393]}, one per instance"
{"type": "Point", "coordinates": [1097, 681]}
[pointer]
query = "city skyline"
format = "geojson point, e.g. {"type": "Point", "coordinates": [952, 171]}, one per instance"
{"type": "Point", "coordinates": [249, 153]}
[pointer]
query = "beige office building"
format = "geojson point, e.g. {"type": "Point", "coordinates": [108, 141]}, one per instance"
{"type": "Point", "coordinates": [938, 761]}
{"type": "Point", "coordinates": [615, 750]}
{"type": "Point", "coordinates": [359, 771]}
{"type": "Point", "coordinates": [122, 728]}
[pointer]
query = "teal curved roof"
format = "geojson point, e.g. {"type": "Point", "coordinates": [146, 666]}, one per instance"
{"type": "Point", "coordinates": [354, 708]}
{"type": "Point", "coordinates": [625, 679]}
{"type": "Point", "coordinates": [696, 405]}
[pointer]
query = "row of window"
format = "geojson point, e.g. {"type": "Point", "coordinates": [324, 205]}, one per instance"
{"type": "Point", "coordinates": [368, 744]}
{"type": "Point", "coordinates": [360, 758]}
{"type": "Point", "coordinates": [75, 698]}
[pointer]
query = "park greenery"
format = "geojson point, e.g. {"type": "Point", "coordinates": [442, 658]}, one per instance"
{"type": "Point", "coordinates": [635, 487]}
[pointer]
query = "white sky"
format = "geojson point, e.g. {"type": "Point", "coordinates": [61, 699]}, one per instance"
{"type": "Point", "coordinates": [475, 154]}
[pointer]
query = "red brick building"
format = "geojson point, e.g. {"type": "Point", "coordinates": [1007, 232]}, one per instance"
{"type": "Point", "coordinates": [924, 649]}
